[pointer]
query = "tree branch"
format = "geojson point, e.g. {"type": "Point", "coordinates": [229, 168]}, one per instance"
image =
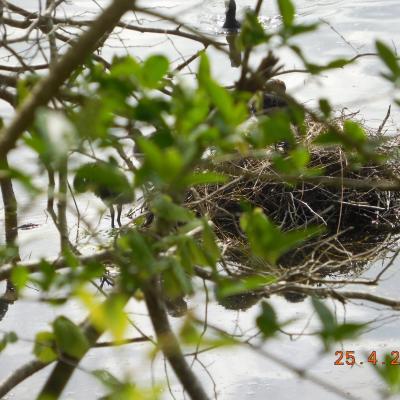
{"type": "Point", "coordinates": [168, 342]}
{"type": "Point", "coordinates": [58, 263]}
{"type": "Point", "coordinates": [49, 86]}
{"type": "Point", "coordinates": [19, 375]}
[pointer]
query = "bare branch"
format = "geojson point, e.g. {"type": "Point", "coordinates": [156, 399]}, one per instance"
{"type": "Point", "coordinates": [49, 86]}
{"type": "Point", "coordinates": [19, 375]}
{"type": "Point", "coordinates": [168, 342]}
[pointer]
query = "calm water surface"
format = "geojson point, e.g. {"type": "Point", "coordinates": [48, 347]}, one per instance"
{"type": "Point", "coordinates": [238, 373]}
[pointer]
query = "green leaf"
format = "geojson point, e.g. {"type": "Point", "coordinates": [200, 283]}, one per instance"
{"type": "Point", "coordinates": [57, 136]}
{"type": "Point", "coordinates": [333, 332]}
{"type": "Point", "coordinates": [106, 181]}
{"type": "Point", "coordinates": [267, 321]}
{"type": "Point", "coordinates": [44, 348]}
{"type": "Point", "coordinates": [162, 166]}
{"type": "Point", "coordinates": [70, 338]}
{"type": "Point", "coordinates": [140, 251]}
{"type": "Point", "coordinates": [266, 240]}
{"type": "Point", "coordinates": [205, 177]}
{"type": "Point", "coordinates": [326, 317]}
{"type": "Point", "coordinates": [389, 58]}
{"type": "Point", "coordinates": [303, 28]}
{"type": "Point", "coordinates": [300, 158]}
{"type": "Point", "coordinates": [8, 337]}
{"type": "Point", "coordinates": [189, 333]}
{"type": "Point", "coordinates": [123, 68]}
{"type": "Point", "coordinates": [354, 131]}
{"type": "Point", "coordinates": [329, 138]}
{"type": "Point", "coordinates": [164, 207]}
{"type": "Point", "coordinates": [46, 277]}
{"type": "Point", "coordinates": [154, 68]}
{"type": "Point", "coordinates": [229, 287]}
{"type": "Point", "coordinates": [276, 129]}
{"type": "Point", "coordinates": [176, 282]}
{"type": "Point", "coordinates": [390, 374]}
{"type": "Point", "coordinates": [212, 251]}
{"type": "Point", "coordinates": [25, 86]}
{"type": "Point", "coordinates": [222, 100]}
{"type": "Point", "coordinates": [325, 107]}
{"type": "Point", "coordinates": [287, 11]}
{"type": "Point", "coordinates": [252, 32]}
{"type": "Point", "coordinates": [106, 378]}
{"type": "Point", "coordinates": [19, 277]}
{"type": "Point", "coordinates": [190, 254]}
{"type": "Point", "coordinates": [338, 63]}
{"type": "Point", "coordinates": [11, 337]}
{"type": "Point", "coordinates": [295, 163]}
{"type": "Point", "coordinates": [114, 317]}
{"type": "Point", "coordinates": [204, 74]}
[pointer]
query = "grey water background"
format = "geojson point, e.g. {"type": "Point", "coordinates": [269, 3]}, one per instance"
{"type": "Point", "coordinates": [238, 372]}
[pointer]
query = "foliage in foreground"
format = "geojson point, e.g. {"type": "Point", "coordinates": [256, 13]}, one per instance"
{"type": "Point", "coordinates": [180, 133]}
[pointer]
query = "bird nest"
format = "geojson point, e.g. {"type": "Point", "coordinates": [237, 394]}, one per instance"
{"type": "Point", "coordinates": [360, 224]}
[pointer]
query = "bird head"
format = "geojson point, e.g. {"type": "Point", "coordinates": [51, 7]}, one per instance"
{"type": "Point", "coordinates": [275, 85]}
{"type": "Point", "coordinates": [230, 6]}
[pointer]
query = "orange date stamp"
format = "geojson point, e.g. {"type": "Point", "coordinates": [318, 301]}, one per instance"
{"type": "Point", "coordinates": [349, 358]}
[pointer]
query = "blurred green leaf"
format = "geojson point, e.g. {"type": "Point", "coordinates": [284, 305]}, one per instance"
{"type": "Point", "coordinates": [204, 74]}
{"type": "Point", "coordinates": [205, 177]}
{"type": "Point", "coordinates": [333, 332]}
{"type": "Point", "coordinates": [326, 317]}
{"type": "Point", "coordinates": [164, 207]}
{"type": "Point", "coordinates": [389, 58]}
{"type": "Point", "coordinates": [106, 378]}
{"type": "Point", "coordinates": [114, 317]}
{"type": "Point", "coordinates": [287, 10]}
{"type": "Point", "coordinates": [162, 166]}
{"type": "Point", "coordinates": [212, 251]}
{"type": "Point", "coordinates": [47, 276]}
{"type": "Point", "coordinates": [266, 240]}
{"type": "Point", "coordinates": [354, 131]}
{"type": "Point", "coordinates": [154, 68]}
{"type": "Point", "coordinates": [70, 338]}
{"type": "Point", "coordinates": [293, 163]}
{"type": "Point", "coordinates": [229, 287]}
{"type": "Point", "coordinates": [139, 249]}
{"type": "Point", "coordinates": [19, 277]}
{"type": "Point", "coordinates": [267, 321]}
{"type": "Point", "coordinates": [176, 282]}
{"type": "Point", "coordinates": [45, 347]}
{"type": "Point", "coordinates": [325, 107]}
{"type": "Point", "coordinates": [275, 129]}
{"type": "Point", "coordinates": [329, 138]}
{"type": "Point", "coordinates": [8, 338]}
{"type": "Point", "coordinates": [390, 374]}
{"type": "Point", "coordinates": [106, 181]}
{"type": "Point", "coordinates": [252, 32]}
{"type": "Point", "coordinates": [56, 137]}
{"type": "Point", "coordinates": [300, 29]}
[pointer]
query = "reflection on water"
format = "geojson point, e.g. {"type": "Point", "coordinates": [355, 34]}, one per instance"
{"type": "Point", "coordinates": [235, 55]}
{"type": "Point", "coordinates": [248, 377]}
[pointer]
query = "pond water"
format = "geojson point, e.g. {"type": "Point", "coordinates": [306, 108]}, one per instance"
{"type": "Point", "coordinates": [238, 373]}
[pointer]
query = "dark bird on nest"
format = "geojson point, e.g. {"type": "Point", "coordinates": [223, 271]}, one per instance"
{"type": "Point", "coordinates": [231, 23]}
{"type": "Point", "coordinates": [274, 96]}
{"type": "Point", "coordinates": [274, 100]}
{"type": "Point", "coordinates": [108, 183]}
